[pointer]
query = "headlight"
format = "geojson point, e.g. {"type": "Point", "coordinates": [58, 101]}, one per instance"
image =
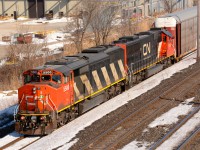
{"type": "Point", "coordinates": [22, 118]}
{"type": "Point", "coordinates": [34, 90]}
{"type": "Point", "coordinates": [42, 118]}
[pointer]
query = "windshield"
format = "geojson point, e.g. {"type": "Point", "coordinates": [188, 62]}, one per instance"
{"type": "Point", "coordinates": [37, 77]}
{"type": "Point", "coordinates": [31, 78]}
{"type": "Point", "coordinates": [46, 78]}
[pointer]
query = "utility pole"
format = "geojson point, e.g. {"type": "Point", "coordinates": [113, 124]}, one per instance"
{"type": "Point", "coordinates": [36, 8]}
{"type": "Point", "coordinates": [151, 7]}
{"type": "Point", "coordinates": [198, 30]}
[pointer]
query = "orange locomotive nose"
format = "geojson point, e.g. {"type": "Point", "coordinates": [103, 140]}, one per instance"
{"type": "Point", "coordinates": [36, 98]}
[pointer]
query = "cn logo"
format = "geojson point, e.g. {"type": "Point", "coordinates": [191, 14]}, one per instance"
{"type": "Point", "coordinates": [146, 49]}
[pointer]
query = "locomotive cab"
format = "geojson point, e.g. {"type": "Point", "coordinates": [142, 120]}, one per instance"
{"type": "Point", "coordinates": [167, 48]}
{"type": "Point", "coordinates": [40, 99]}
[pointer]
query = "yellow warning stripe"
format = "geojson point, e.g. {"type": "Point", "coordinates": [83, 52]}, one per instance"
{"type": "Point", "coordinates": [78, 94]}
{"type": "Point", "coordinates": [121, 66]}
{"type": "Point", "coordinates": [114, 72]}
{"type": "Point", "coordinates": [85, 81]}
{"type": "Point", "coordinates": [97, 79]}
{"type": "Point", "coordinates": [106, 76]}
{"type": "Point", "coordinates": [92, 94]}
{"type": "Point", "coordinates": [151, 65]}
{"type": "Point", "coordinates": [33, 114]}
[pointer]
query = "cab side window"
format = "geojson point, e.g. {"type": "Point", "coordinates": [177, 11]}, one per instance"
{"type": "Point", "coordinates": [36, 78]}
{"type": "Point", "coordinates": [56, 78]}
{"type": "Point", "coordinates": [164, 39]}
{"type": "Point", "coordinates": [46, 78]}
{"type": "Point", "coordinates": [27, 78]}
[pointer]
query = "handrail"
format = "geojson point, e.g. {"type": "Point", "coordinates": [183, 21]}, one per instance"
{"type": "Point", "coordinates": [53, 105]}
{"type": "Point", "coordinates": [17, 107]}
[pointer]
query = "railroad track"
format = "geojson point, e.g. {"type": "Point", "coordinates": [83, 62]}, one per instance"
{"type": "Point", "coordinates": [173, 130]}
{"type": "Point", "coordinates": [20, 143]}
{"type": "Point", "coordinates": [186, 143]}
{"type": "Point", "coordinates": [117, 135]}
{"type": "Point", "coordinates": [12, 142]}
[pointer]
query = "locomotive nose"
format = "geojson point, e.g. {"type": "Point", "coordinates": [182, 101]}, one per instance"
{"type": "Point", "coordinates": [33, 98]}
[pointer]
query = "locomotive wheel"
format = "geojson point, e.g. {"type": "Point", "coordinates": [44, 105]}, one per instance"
{"type": "Point", "coordinates": [111, 92]}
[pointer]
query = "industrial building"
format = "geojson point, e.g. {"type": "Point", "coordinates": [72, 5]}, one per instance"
{"type": "Point", "coordinates": [40, 8]}
{"type": "Point", "coordinates": [35, 8]}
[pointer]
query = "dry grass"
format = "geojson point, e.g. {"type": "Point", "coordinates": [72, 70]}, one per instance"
{"type": "Point", "coordinates": [11, 93]}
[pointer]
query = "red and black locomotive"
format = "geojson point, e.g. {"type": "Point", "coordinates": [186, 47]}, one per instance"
{"type": "Point", "coordinates": [61, 90]}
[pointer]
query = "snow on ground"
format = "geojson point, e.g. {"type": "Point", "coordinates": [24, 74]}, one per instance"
{"type": "Point", "coordinates": [12, 20]}
{"type": "Point", "coordinates": [7, 99]}
{"type": "Point", "coordinates": [167, 118]}
{"type": "Point", "coordinates": [44, 20]}
{"type": "Point", "coordinates": [51, 37]}
{"type": "Point", "coordinates": [181, 133]}
{"type": "Point", "coordinates": [172, 115]}
{"type": "Point", "coordinates": [39, 21]}
{"type": "Point", "coordinates": [2, 62]}
{"type": "Point", "coordinates": [63, 136]}
{"type": "Point", "coordinates": [9, 138]}
{"type": "Point", "coordinates": [136, 145]}
{"type": "Point", "coordinates": [22, 143]}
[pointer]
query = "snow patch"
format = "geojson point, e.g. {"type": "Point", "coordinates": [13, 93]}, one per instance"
{"type": "Point", "coordinates": [136, 145]}
{"type": "Point", "coordinates": [44, 21]}
{"type": "Point", "coordinates": [7, 101]}
{"type": "Point", "coordinates": [68, 145]}
{"type": "Point", "coordinates": [9, 138]}
{"type": "Point", "coordinates": [172, 115]}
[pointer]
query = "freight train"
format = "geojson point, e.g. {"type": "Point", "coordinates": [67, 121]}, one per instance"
{"type": "Point", "coordinates": [61, 90]}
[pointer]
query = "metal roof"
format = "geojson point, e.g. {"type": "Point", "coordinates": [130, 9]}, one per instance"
{"type": "Point", "coordinates": [68, 63]}
{"type": "Point", "coordinates": [183, 15]}
{"type": "Point", "coordinates": [60, 68]}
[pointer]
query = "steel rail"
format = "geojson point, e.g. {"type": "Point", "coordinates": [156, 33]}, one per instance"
{"type": "Point", "coordinates": [31, 143]}
{"type": "Point", "coordinates": [189, 116]}
{"type": "Point", "coordinates": [189, 138]}
{"type": "Point", "coordinates": [12, 142]}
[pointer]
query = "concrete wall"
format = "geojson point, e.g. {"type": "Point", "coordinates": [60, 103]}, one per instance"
{"type": "Point", "coordinates": [59, 6]}
{"type": "Point", "coordinates": [1, 8]}
{"type": "Point", "coordinates": [21, 6]}
{"type": "Point", "coordinates": [56, 6]}
{"type": "Point", "coordinates": [12, 5]}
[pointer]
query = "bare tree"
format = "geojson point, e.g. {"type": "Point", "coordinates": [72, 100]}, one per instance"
{"type": "Point", "coordinates": [102, 22]}
{"type": "Point", "coordinates": [195, 2]}
{"type": "Point", "coordinates": [169, 5]}
{"type": "Point", "coordinates": [82, 17]}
